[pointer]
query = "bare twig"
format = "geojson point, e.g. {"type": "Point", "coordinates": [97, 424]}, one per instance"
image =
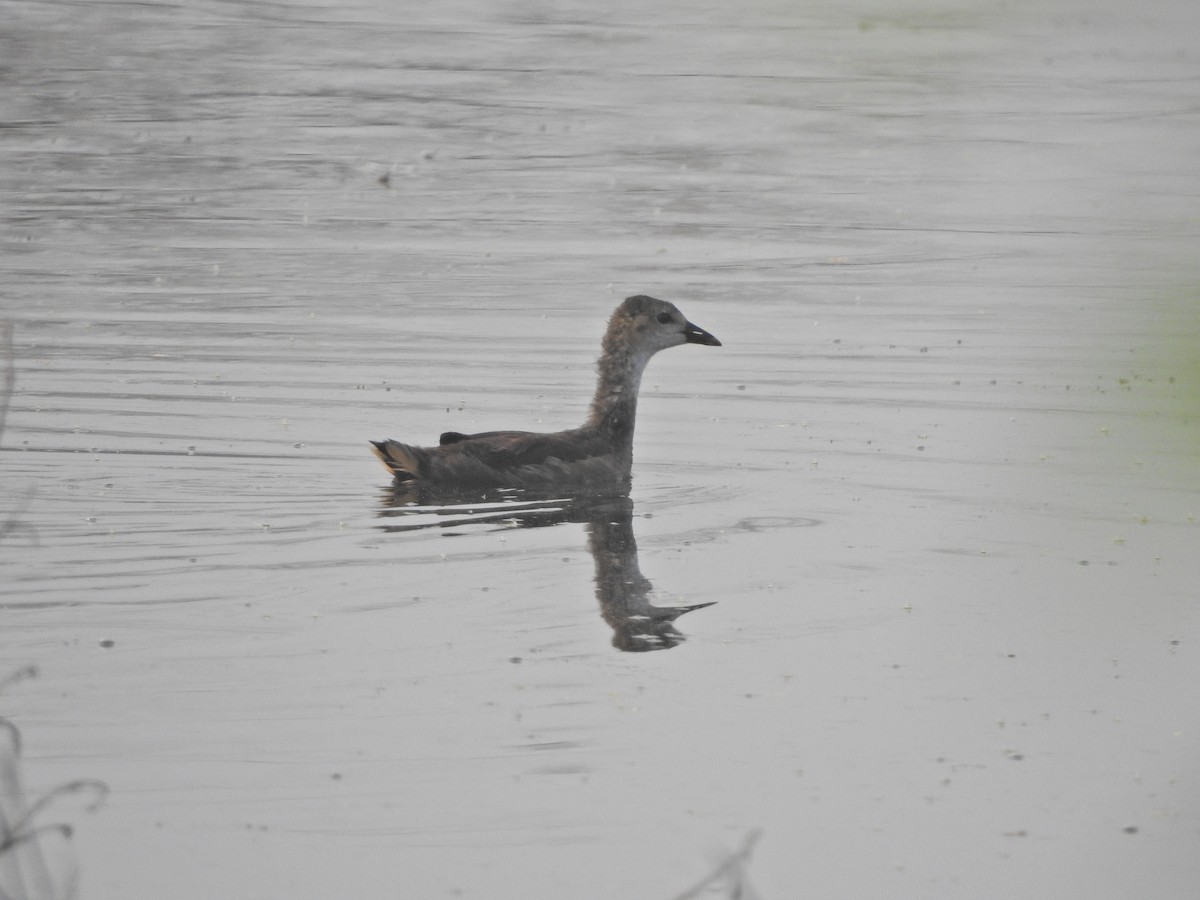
{"type": "Point", "coordinates": [729, 870]}
{"type": "Point", "coordinates": [26, 871]}
{"type": "Point", "coordinates": [21, 674]}
{"type": "Point", "coordinates": [23, 825]}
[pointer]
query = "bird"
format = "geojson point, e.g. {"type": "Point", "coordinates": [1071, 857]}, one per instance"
{"type": "Point", "coordinates": [597, 455]}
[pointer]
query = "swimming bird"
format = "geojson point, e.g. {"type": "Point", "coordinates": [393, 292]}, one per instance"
{"type": "Point", "coordinates": [598, 454]}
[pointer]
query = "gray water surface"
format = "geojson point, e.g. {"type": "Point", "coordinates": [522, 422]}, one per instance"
{"type": "Point", "coordinates": [940, 484]}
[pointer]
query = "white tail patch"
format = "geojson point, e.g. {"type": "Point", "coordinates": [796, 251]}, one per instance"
{"type": "Point", "coordinates": [399, 458]}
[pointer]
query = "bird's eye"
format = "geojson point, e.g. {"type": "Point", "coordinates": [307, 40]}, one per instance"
{"type": "Point", "coordinates": [664, 318]}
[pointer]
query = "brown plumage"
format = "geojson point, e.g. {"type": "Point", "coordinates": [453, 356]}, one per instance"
{"type": "Point", "coordinates": [599, 454]}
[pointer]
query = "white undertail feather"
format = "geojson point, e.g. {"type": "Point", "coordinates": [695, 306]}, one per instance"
{"type": "Point", "coordinates": [399, 458]}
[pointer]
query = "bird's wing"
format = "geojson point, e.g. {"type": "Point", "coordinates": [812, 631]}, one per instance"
{"type": "Point", "coordinates": [512, 449]}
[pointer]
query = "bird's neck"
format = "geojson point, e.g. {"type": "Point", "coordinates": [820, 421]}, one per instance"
{"type": "Point", "coordinates": [614, 408]}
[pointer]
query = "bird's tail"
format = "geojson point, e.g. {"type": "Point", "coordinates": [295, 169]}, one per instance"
{"type": "Point", "coordinates": [402, 460]}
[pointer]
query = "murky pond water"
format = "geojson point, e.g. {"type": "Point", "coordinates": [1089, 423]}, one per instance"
{"type": "Point", "coordinates": [934, 501]}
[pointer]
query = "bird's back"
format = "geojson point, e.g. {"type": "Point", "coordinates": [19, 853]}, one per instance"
{"type": "Point", "coordinates": [508, 459]}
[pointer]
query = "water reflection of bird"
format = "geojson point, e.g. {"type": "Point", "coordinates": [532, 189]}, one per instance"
{"type": "Point", "coordinates": [625, 594]}
{"type": "Point", "coordinates": [599, 454]}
